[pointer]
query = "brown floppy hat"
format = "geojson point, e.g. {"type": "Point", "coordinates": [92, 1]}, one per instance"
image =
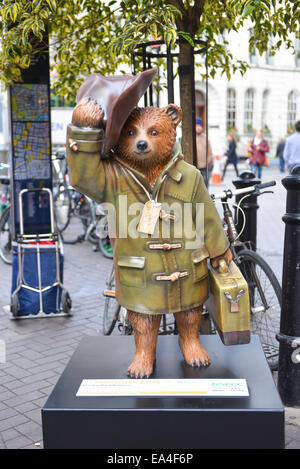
{"type": "Point", "coordinates": [117, 95]}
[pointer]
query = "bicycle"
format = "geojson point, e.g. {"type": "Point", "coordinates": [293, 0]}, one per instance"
{"type": "Point", "coordinates": [5, 219]}
{"type": "Point", "coordinates": [264, 289]}
{"type": "Point", "coordinates": [79, 218]}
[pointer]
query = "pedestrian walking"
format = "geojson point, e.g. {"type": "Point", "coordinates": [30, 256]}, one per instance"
{"type": "Point", "coordinates": [291, 152]}
{"type": "Point", "coordinates": [258, 148]}
{"type": "Point", "coordinates": [201, 151]}
{"type": "Point", "coordinates": [230, 155]}
{"type": "Point", "coordinates": [279, 154]}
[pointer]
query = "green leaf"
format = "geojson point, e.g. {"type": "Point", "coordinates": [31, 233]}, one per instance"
{"type": "Point", "coordinates": [187, 37]}
{"type": "Point", "coordinates": [52, 4]}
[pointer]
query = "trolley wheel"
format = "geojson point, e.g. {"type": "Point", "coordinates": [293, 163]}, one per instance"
{"type": "Point", "coordinates": [66, 302]}
{"type": "Point", "coordinates": [14, 307]}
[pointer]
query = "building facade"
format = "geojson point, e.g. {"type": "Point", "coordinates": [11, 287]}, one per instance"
{"type": "Point", "coordinates": [266, 97]}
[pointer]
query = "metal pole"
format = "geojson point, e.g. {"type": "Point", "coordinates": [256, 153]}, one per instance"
{"type": "Point", "coordinates": [192, 71]}
{"type": "Point", "coordinates": [170, 76]}
{"type": "Point", "coordinates": [250, 206]}
{"type": "Point", "coordinates": [289, 335]}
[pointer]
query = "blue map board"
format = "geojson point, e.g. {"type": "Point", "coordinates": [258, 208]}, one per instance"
{"type": "Point", "coordinates": [31, 154]}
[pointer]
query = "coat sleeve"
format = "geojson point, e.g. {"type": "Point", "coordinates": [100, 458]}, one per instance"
{"type": "Point", "coordinates": [215, 239]}
{"type": "Point", "coordinates": [86, 168]}
{"type": "Point", "coordinates": [264, 146]}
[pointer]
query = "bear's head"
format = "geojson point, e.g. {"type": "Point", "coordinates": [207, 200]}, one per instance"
{"type": "Point", "coordinates": [148, 137]}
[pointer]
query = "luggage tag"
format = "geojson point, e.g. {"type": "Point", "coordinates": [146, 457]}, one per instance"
{"type": "Point", "coordinates": [150, 215]}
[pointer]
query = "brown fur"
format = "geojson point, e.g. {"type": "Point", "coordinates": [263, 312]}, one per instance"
{"type": "Point", "coordinates": [87, 113]}
{"type": "Point", "coordinates": [142, 121]}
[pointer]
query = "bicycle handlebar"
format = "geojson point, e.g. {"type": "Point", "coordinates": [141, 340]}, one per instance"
{"type": "Point", "coordinates": [266, 184]}
{"type": "Point", "coordinates": [229, 193]}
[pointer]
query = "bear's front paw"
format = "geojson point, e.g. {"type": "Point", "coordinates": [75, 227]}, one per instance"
{"type": "Point", "coordinates": [88, 113]}
{"type": "Point", "coordinates": [227, 257]}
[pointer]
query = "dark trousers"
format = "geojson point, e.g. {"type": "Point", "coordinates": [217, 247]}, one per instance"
{"type": "Point", "coordinates": [225, 168]}
{"type": "Point", "coordinates": [203, 172]}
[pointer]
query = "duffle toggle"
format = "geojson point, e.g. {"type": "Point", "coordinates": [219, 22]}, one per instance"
{"type": "Point", "coordinates": [73, 144]}
{"type": "Point", "coordinates": [165, 246]}
{"type": "Point", "coordinates": [164, 215]}
{"type": "Point", "coordinates": [234, 304]}
{"type": "Point", "coordinates": [172, 277]}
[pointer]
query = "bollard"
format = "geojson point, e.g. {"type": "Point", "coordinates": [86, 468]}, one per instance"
{"type": "Point", "coordinates": [249, 206]}
{"type": "Point", "coordinates": [289, 335]}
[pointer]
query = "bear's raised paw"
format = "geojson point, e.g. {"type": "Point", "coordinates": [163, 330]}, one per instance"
{"type": "Point", "coordinates": [88, 113]}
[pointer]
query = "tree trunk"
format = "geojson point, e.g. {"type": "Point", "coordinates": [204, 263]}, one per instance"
{"type": "Point", "coordinates": [187, 100]}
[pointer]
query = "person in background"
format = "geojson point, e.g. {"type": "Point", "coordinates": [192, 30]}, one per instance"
{"type": "Point", "coordinates": [258, 149]}
{"type": "Point", "coordinates": [291, 152]}
{"type": "Point", "coordinates": [201, 151]}
{"type": "Point", "coordinates": [231, 156]}
{"type": "Point", "coordinates": [279, 154]}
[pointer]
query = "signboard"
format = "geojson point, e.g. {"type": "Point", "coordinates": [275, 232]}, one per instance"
{"type": "Point", "coordinates": [31, 146]}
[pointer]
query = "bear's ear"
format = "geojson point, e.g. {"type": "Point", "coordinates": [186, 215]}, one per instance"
{"type": "Point", "coordinates": [175, 112]}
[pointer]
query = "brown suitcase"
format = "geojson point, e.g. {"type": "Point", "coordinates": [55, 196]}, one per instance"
{"type": "Point", "coordinates": [228, 304]}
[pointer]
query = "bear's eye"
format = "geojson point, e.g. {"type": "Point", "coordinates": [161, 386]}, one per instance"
{"type": "Point", "coordinates": [154, 132]}
{"type": "Point", "coordinates": [130, 132]}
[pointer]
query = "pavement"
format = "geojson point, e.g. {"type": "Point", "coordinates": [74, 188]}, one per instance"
{"type": "Point", "coordinates": [38, 349]}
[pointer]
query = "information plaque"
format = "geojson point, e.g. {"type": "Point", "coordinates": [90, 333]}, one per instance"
{"type": "Point", "coordinates": [163, 387]}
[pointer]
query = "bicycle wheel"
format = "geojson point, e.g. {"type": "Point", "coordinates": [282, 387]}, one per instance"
{"type": "Point", "coordinates": [67, 206]}
{"type": "Point", "coordinates": [265, 302]}
{"type": "Point", "coordinates": [111, 307]}
{"type": "Point", "coordinates": [106, 247]}
{"type": "Point", "coordinates": [5, 237]}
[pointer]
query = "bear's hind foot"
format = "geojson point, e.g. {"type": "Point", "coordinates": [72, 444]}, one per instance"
{"type": "Point", "coordinates": [193, 352]}
{"type": "Point", "coordinates": [141, 367]}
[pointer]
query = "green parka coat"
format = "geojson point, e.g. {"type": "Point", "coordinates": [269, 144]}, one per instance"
{"type": "Point", "coordinates": [166, 272]}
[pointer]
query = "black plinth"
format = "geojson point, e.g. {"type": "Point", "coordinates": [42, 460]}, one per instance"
{"type": "Point", "coordinates": [181, 422]}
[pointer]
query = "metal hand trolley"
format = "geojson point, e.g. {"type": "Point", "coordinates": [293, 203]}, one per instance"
{"type": "Point", "coordinates": [37, 289]}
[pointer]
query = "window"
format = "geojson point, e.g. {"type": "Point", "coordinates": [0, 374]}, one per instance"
{"type": "Point", "coordinates": [249, 105]}
{"type": "Point", "coordinates": [231, 110]}
{"type": "Point", "coordinates": [291, 111]}
{"type": "Point", "coordinates": [264, 111]}
{"type": "Point", "coordinates": [297, 51]}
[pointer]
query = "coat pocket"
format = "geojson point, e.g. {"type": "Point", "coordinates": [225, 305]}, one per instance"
{"type": "Point", "coordinates": [132, 271]}
{"type": "Point", "coordinates": [199, 263]}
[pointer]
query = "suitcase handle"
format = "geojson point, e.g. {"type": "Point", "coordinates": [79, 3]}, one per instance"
{"type": "Point", "coordinates": [222, 266]}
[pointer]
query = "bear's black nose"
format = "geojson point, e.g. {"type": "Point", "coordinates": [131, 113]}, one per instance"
{"type": "Point", "coordinates": [141, 145]}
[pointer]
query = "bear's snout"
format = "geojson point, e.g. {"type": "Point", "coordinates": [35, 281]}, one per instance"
{"type": "Point", "coordinates": [142, 145]}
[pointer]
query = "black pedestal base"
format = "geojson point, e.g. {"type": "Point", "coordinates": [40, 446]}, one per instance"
{"type": "Point", "coordinates": [167, 422]}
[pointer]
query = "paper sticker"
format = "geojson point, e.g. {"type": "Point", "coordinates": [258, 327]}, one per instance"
{"type": "Point", "coordinates": [149, 217]}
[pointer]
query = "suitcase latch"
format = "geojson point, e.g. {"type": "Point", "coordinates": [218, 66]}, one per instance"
{"type": "Point", "coordinates": [234, 303]}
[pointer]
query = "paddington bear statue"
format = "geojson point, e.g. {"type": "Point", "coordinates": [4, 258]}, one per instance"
{"type": "Point", "coordinates": [166, 226]}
